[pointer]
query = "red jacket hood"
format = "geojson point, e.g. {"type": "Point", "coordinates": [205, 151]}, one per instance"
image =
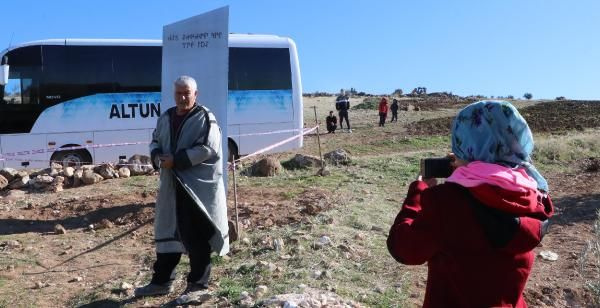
{"type": "Point", "coordinates": [529, 203]}
{"type": "Point", "coordinates": [530, 209]}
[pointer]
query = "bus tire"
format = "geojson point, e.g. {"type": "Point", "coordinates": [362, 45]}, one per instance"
{"type": "Point", "coordinates": [72, 158]}
{"type": "Point", "coordinates": [232, 151]}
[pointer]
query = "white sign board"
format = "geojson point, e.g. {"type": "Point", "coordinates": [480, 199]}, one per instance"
{"type": "Point", "coordinates": [198, 47]}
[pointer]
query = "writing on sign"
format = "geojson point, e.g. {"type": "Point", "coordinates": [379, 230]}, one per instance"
{"type": "Point", "coordinates": [194, 40]}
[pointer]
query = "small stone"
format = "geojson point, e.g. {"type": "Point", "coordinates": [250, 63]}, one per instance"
{"type": "Point", "coordinates": [316, 274]}
{"type": "Point", "coordinates": [359, 236]}
{"type": "Point", "coordinates": [278, 244]}
{"type": "Point", "coordinates": [13, 244]}
{"type": "Point", "coordinates": [76, 279]}
{"type": "Point", "coordinates": [323, 241]}
{"type": "Point", "coordinates": [104, 224]}
{"type": "Point", "coordinates": [246, 241]}
{"type": "Point", "coordinates": [379, 290]}
{"type": "Point", "coordinates": [346, 248]}
{"type": "Point", "coordinates": [244, 295]}
{"type": "Point", "coordinates": [40, 285]}
{"type": "Point", "coordinates": [59, 229]}
{"type": "Point", "coordinates": [549, 255]}
{"type": "Point", "coordinates": [290, 304]}
{"type": "Point", "coordinates": [377, 228]}
{"type": "Point", "coordinates": [260, 291]}
{"type": "Point", "coordinates": [126, 286]}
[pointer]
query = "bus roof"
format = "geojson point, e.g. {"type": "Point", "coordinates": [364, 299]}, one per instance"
{"type": "Point", "coordinates": [235, 40]}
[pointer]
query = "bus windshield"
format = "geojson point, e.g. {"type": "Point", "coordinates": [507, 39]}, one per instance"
{"type": "Point", "coordinates": [2, 95]}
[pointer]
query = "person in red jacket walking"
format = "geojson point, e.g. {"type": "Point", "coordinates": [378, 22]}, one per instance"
{"type": "Point", "coordinates": [477, 231]}
{"type": "Point", "coordinates": [383, 109]}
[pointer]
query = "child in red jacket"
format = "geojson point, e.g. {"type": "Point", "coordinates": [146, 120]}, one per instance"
{"type": "Point", "coordinates": [383, 109]}
{"type": "Point", "coordinates": [477, 231]}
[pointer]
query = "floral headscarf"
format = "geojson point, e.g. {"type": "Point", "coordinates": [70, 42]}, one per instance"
{"type": "Point", "coordinates": [495, 132]}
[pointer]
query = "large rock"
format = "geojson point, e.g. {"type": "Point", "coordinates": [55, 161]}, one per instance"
{"type": "Point", "coordinates": [266, 167]}
{"type": "Point", "coordinates": [46, 171]}
{"type": "Point", "coordinates": [19, 182]}
{"type": "Point", "coordinates": [54, 172]}
{"type": "Point", "coordinates": [338, 157]}
{"type": "Point", "coordinates": [3, 182]}
{"type": "Point", "coordinates": [302, 161]}
{"type": "Point", "coordinates": [77, 176]}
{"type": "Point", "coordinates": [58, 180]}
{"type": "Point", "coordinates": [90, 177]}
{"type": "Point", "coordinates": [55, 187]}
{"type": "Point", "coordinates": [56, 166]}
{"type": "Point", "coordinates": [88, 167]}
{"type": "Point", "coordinates": [124, 172]}
{"type": "Point", "coordinates": [140, 164]}
{"type": "Point", "coordinates": [41, 181]}
{"type": "Point", "coordinates": [68, 172]}
{"type": "Point", "coordinates": [107, 171]}
{"type": "Point", "coordinates": [9, 173]}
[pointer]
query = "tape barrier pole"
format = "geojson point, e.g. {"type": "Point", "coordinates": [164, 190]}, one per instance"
{"type": "Point", "coordinates": [235, 203]}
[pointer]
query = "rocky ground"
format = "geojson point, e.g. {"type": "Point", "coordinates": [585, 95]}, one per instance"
{"type": "Point", "coordinates": [305, 239]}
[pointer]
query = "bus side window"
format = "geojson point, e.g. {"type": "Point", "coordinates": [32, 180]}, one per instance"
{"type": "Point", "coordinates": [137, 68]}
{"type": "Point", "coordinates": [259, 69]}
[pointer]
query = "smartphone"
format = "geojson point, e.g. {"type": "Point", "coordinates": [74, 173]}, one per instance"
{"type": "Point", "coordinates": [436, 167]}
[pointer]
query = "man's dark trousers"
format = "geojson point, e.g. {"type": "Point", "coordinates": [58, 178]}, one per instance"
{"type": "Point", "coordinates": [194, 231]}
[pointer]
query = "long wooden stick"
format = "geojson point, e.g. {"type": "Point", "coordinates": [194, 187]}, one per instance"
{"type": "Point", "coordinates": [235, 202]}
{"type": "Point", "coordinates": [319, 139]}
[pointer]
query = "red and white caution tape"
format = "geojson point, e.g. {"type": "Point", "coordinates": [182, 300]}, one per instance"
{"type": "Point", "coordinates": [8, 156]}
{"type": "Point", "coordinates": [270, 147]}
{"type": "Point", "coordinates": [268, 133]}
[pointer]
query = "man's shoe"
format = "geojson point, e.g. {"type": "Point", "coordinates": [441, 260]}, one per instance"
{"type": "Point", "coordinates": [349, 130]}
{"type": "Point", "coordinates": [153, 289]}
{"type": "Point", "coordinates": [194, 294]}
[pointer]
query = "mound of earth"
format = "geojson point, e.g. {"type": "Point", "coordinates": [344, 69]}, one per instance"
{"type": "Point", "coordinates": [542, 117]}
{"type": "Point", "coordinates": [561, 116]}
{"type": "Point", "coordinates": [416, 104]}
{"type": "Point", "coordinates": [265, 209]}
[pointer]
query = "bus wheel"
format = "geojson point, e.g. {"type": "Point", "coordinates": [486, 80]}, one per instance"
{"type": "Point", "coordinates": [72, 158]}
{"type": "Point", "coordinates": [232, 151]}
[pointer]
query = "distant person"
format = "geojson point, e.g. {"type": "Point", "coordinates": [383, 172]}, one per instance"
{"type": "Point", "coordinates": [383, 109]}
{"type": "Point", "coordinates": [477, 231]}
{"type": "Point", "coordinates": [342, 105]}
{"type": "Point", "coordinates": [331, 121]}
{"type": "Point", "coordinates": [191, 209]}
{"type": "Point", "coordinates": [394, 109]}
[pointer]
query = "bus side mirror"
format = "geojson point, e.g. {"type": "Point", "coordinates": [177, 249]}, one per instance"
{"type": "Point", "coordinates": [4, 76]}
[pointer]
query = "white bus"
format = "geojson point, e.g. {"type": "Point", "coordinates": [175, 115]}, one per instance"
{"type": "Point", "coordinates": [101, 94]}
